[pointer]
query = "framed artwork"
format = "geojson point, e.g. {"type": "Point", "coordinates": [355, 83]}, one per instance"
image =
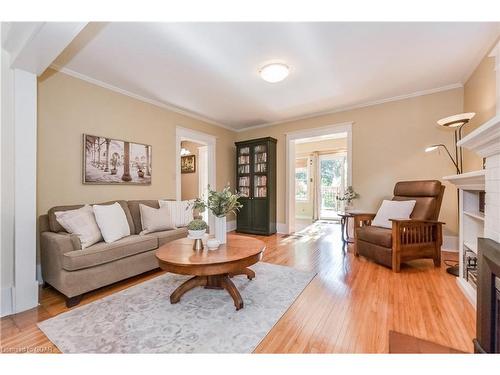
{"type": "Point", "coordinates": [188, 164]}
{"type": "Point", "coordinates": [112, 161]}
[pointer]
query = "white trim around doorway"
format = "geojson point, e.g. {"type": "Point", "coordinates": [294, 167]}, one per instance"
{"type": "Point", "coordinates": [185, 134]}
{"type": "Point", "coordinates": [344, 127]}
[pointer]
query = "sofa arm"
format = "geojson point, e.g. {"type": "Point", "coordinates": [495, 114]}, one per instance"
{"type": "Point", "coordinates": [54, 245]}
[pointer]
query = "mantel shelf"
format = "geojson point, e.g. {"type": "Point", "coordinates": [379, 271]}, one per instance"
{"type": "Point", "coordinates": [485, 140]}
{"type": "Point", "coordinates": [474, 180]}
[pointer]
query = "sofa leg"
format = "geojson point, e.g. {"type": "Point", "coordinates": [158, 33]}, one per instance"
{"type": "Point", "coordinates": [73, 301]}
{"type": "Point", "coordinates": [45, 285]}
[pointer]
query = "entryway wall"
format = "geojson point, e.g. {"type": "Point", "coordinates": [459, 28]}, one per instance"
{"type": "Point", "coordinates": [190, 181]}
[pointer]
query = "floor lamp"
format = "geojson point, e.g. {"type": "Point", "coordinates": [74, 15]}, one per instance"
{"type": "Point", "coordinates": [456, 122]}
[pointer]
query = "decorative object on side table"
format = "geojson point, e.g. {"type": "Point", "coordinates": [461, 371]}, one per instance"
{"type": "Point", "coordinates": [196, 231]}
{"type": "Point", "coordinates": [348, 196]}
{"type": "Point", "coordinates": [213, 244]}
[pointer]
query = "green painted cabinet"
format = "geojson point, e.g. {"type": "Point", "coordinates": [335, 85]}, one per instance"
{"type": "Point", "coordinates": [256, 181]}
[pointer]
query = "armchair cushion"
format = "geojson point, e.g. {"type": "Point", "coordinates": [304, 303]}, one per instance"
{"type": "Point", "coordinates": [375, 235]}
{"type": "Point", "coordinates": [393, 210]}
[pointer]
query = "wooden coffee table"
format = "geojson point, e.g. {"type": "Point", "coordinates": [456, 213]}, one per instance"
{"type": "Point", "coordinates": [211, 269]}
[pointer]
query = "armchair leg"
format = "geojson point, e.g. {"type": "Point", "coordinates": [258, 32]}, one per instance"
{"type": "Point", "coordinates": [437, 258]}
{"type": "Point", "coordinates": [396, 261]}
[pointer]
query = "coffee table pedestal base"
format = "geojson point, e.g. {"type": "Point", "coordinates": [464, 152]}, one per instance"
{"type": "Point", "coordinates": [214, 282]}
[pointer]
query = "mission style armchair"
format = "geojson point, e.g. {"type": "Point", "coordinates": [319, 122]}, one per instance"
{"type": "Point", "coordinates": [414, 238]}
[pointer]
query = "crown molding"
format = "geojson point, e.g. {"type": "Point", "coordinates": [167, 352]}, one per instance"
{"type": "Point", "coordinates": [357, 106]}
{"type": "Point", "coordinates": [188, 113]}
{"type": "Point", "coordinates": [154, 102]}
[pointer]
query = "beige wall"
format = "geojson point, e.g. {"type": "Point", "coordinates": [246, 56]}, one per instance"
{"type": "Point", "coordinates": [304, 209]}
{"type": "Point", "coordinates": [479, 97]}
{"type": "Point", "coordinates": [189, 181]}
{"type": "Point", "coordinates": [69, 107]}
{"type": "Point", "coordinates": [388, 146]}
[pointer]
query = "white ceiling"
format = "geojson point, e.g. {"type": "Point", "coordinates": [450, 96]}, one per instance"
{"type": "Point", "coordinates": [211, 69]}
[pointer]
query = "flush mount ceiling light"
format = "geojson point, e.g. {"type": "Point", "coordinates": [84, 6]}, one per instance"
{"type": "Point", "coordinates": [185, 152]}
{"type": "Point", "coordinates": [456, 120]}
{"type": "Point", "coordinates": [274, 72]}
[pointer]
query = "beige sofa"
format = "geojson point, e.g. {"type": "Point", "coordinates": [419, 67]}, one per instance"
{"type": "Point", "coordinates": [73, 271]}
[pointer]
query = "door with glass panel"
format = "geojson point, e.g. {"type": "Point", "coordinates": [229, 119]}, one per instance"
{"type": "Point", "coordinates": [333, 179]}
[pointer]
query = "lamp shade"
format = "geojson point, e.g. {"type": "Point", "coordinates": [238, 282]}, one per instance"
{"type": "Point", "coordinates": [456, 120]}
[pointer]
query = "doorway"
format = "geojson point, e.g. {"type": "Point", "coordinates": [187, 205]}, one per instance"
{"type": "Point", "coordinates": [317, 172]}
{"type": "Point", "coordinates": [194, 184]}
{"type": "Point", "coordinates": [333, 182]}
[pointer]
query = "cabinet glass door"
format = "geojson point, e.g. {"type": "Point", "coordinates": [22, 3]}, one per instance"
{"type": "Point", "coordinates": [260, 171]}
{"type": "Point", "coordinates": [244, 171]}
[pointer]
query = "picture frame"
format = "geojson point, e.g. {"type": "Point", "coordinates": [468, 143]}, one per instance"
{"type": "Point", "coordinates": [188, 164]}
{"type": "Point", "coordinates": [111, 161]}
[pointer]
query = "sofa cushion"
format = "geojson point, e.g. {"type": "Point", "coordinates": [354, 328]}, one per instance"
{"type": "Point", "coordinates": [103, 252]}
{"type": "Point", "coordinates": [136, 213]}
{"type": "Point", "coordinates": [82, 223]}
{"type": "Point", "coordinates": [169, 235]}
{"type": "Point", "coordinates": [375, 235]}
{"type": "Point", "coordinates": [56, 227]}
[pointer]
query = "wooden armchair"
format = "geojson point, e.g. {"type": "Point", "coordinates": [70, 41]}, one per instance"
{"type": "Point", "coordinates": [415, 238]}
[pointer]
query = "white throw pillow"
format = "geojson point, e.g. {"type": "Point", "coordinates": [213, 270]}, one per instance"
{"type": "Point", "coordinates": [180, 211]}
{"type": "Point", "coordinates": [82, 223]}
{"type": "Point", "coordinates": [112, 221]}
{"type": "Point", "coordinates": [155, 219]}
{"type": "Point", "coordinates": [392, 210]}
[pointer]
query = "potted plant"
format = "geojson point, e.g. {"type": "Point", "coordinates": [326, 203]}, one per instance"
{"type": "Point", "coordinates": [220, 204]}
{"type": "Point", "coordinates": [348, 196]}
{"type": "Point", "coordinates": [197, 228]}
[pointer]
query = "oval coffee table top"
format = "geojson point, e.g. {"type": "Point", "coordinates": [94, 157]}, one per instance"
{"type": "Point", "coordinates": [180, 252]}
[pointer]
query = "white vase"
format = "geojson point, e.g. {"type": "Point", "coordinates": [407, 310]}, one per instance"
{"type": "Point", "coordinates": [220, 229]}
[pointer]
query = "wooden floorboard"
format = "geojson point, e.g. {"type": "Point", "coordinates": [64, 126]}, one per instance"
{"type": "Point", "coordinates": [349, 307]}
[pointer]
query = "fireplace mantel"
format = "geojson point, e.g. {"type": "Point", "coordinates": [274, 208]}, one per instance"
{"type": "Point", "coordinates": [485, 140]}
{"type": "Point", "coordinates": [474, 180]}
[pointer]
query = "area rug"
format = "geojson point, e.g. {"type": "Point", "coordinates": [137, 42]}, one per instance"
{"type": "Point", "coordinates": [142, 320]}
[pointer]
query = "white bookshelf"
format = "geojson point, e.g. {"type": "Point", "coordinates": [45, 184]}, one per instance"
{"type": "Point", "coordinates": [471, 221]}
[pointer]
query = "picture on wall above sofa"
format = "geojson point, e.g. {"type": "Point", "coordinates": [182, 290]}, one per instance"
{"type": "Point", "coordinates": [112, 161]}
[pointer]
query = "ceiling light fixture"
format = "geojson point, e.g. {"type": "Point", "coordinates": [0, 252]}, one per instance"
{"type": "Point", "coordinates": [274, 72]}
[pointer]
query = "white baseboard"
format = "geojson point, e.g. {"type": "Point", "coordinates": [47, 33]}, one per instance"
{"type": "Point", "coordinates": [6, 307]}
{"type": "Point", "coordinates": [450, 243]}
{"type": "Point", "coordinates": [282, 228]}
{"type": "Point", "coordinates": [230, 225]}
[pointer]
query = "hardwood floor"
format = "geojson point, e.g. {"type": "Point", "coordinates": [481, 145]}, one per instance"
{"type": "Point", "coordinates": [349, 307]}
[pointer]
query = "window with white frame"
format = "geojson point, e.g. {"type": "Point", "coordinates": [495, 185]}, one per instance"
{"type": "Point", "coordinates": [301, 179]}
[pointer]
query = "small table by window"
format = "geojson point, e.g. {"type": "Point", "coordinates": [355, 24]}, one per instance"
{"type": "Point", "coordinates": [344, 228]}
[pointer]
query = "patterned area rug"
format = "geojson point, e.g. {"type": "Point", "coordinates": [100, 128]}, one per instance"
{"type": "Point", "coordinates": [142, 320]}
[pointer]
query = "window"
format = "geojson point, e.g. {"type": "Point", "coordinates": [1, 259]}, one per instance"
{"type": "Point", "coordinates": [301, 180]}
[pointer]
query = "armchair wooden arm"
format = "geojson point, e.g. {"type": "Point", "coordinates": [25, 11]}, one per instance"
{"type": "Point", "coordinates": [413, 239]}
{"type": "Point", "coordinates": [361, 220]}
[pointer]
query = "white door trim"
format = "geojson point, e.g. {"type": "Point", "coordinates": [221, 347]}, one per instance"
{"type": "Point", "coordinates": [185, 134]}
{"type": "Point", "coordinates": [290, 138]}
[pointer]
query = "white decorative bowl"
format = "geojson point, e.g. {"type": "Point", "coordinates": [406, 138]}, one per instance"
{"type": "Point", "coordinates": [213, 244]}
